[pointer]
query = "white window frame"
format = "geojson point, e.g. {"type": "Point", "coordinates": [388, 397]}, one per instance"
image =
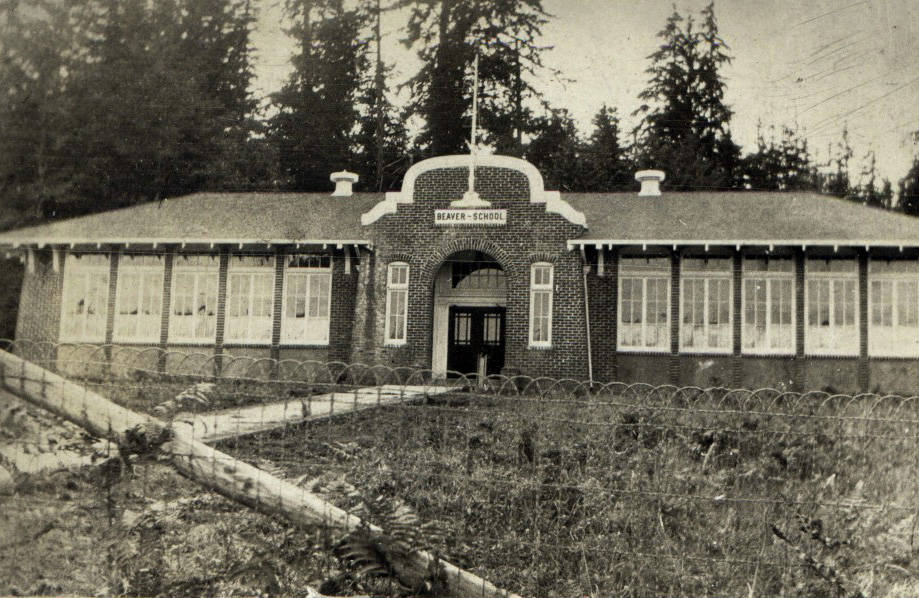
{"type": "Point", "coordinates": [771, 279]}
{"type": "Point", "coordinates": [835, 342]}
{"type": "Point", "coordinates": [396, 287]}
{"type": "Point", "coordinates": [721, 276]}
{"type": "Point", "coordinates": [541, 288]}
{"type": "Point", "coordinates": [205, 269]}
{"type": "Point", "coordinates": [79, 273]}
{"type": "Point", "coordinates": [139, 327]}
{"type": "Point", "coordinates": [631, 270]}
{"type": "Point", "coordinates": [250, 328]}
{"type": "Point", "coordinates": [309, 330]}
{"type": "Point", "coordinates": [897, 339]}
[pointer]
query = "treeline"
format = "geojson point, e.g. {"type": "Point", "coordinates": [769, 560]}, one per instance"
{"type": "Point", "coordinates": [114, 102]}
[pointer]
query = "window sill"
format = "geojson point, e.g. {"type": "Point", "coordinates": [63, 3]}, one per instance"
{"type": "Point", "coordinates": [643, 350]}
{"type": "Point", "coordinates": [540, 347]}
{"type": "Point", "coordinates": [394, 345]}
{"type": "Point", "coordinates": [705, 351]}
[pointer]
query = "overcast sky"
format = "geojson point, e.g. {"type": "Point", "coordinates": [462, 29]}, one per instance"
{"type": "Point", "coordinates": [816, 63]}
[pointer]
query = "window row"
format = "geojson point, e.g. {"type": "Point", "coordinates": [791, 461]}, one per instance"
{"type": "Point", "coordinates": [768, 297]}
{"type": "Point", "coordinates": [192, 310]}
{"type": "Point", "coordinates": [540, 320]}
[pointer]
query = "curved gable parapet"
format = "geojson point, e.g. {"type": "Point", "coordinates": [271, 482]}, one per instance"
{"type": "Point", "coordinates": [416, 185]}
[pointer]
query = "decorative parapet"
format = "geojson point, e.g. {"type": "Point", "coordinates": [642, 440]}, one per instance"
{"type": "Point", "coordinates": [537, 193]}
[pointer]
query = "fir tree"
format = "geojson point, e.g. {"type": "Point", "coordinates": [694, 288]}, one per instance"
{"type": "Point", "coordinates": [605, 164]}
{"type": "Point", "coordinates": [685, 126]}
{"type": "Point", "coordinates": [449, 33]}
{"type": "Point", "coordinates": [317, 113]}
{"type": "Point", "coordinates": [556, 152]}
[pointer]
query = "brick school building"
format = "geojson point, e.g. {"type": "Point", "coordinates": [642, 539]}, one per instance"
{"type": "Point", "coordinates": [752, 289]}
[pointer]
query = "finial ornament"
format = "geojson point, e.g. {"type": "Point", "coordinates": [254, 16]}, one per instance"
{"type": "Point", "coordinates": [471, 199]}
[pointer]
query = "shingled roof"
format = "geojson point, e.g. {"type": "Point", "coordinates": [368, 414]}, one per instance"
{"type": "Point", "coordinates": [615, 218]}
{"type": "Point", "coordinates": [215, 217]}
{"type": "Point", "coordinates": [738, 217]}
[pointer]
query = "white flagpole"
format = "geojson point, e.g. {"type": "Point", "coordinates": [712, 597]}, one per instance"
{"type": "Point", "coordinates": [473, 132]}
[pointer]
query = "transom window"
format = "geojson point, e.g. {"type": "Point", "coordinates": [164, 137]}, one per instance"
{"type": "Point", "coordinates": [84, 308]}
{"type": "Point", "coordinates": [193, 317]}
{"type": "Point", "coordinates": [541, 288]}
{"type": "Point", "coordinates": [397, 304]}
{"type": "Point", "coordinates": [893, 305]}
{"type": "Point", "coordinates": [250, 298]}
{"type": "Point", "coordinates": [644, 304]}
{"type": "Point", "coordinates": [139, 298]}
{"type": "Point", "coordinates": [768, 306]}
{"type": "Point", "coordinates": [831, 304]}
{"type": "Point", "coordinates": [706, 291]}
{"type": "Point", "coordinates": [307, 299]}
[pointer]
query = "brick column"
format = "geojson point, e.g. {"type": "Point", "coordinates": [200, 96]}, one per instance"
{"type": "Point", "coordinates": [613, 269]}
{"type": "Point", "coordinates": [674, 365]}
{"type": "Point", "coordinates": [278, 304]}
{"type": "Point", "coordinates": [800, 377]}
{"type": "Point", "coordinates": [737, 320]}
{"type": "Point", "coordinates": [864, 373]}
{"type": "Point", "coordinates": [110, 314]}
{"type": "Point", "coordinates": [222, 274]}
{"type": "Point", "coordinates": [164, 309]}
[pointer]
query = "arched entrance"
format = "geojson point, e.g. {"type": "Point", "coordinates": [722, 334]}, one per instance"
{"type": "Point", "coordinates": [470, 296]}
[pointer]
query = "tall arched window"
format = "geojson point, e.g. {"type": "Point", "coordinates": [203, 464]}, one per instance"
{"type": "Point", "coordinates": [396, 303]}
{"type": "Point", "coordinates": [541, 286]}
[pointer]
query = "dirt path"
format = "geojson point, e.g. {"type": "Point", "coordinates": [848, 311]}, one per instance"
{"type": "Point", "coordinates": [230, 423]}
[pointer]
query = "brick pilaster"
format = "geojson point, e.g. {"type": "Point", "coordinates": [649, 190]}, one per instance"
{"type": "Point", "coordinates": [222, 275]}
{"type": "Point", "coordinates": [864, 373]}
{"type": "Point", "coordinates": [737, 320]}
{"type": "Point", "coordinates": [168, 260]}
{"type": "Point", "coordinates": [613, 267]}
{"type": "Point", "coordinates": [110, 302]}
{"type": "Point", "coordinates": [800, 377]}
{"type": "Point", "coordinates": [675, 317]}
{"type": "Point", "coordinates": [278, 304]}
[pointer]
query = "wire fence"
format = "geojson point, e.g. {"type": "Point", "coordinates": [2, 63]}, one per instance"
{"type": "Point", "coordinates": [543, 487]}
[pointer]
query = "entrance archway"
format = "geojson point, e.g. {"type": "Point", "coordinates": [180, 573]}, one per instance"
{"type": "Point", "coordinates": [470, 297]}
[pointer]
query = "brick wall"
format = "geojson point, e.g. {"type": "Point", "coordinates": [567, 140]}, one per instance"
{"type": "Point", "coordinates": [531, 235]}
{"type": "Point", "coordinates": [491, 182]}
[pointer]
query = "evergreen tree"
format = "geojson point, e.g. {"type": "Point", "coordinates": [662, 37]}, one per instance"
{"type": "Point", "coordinates": [869, 192]}
{"type": "Point", "coordinates": [40, 48]}
{"type": "Point", "coordinates": [836, 181]}
{"type": "Point", "coordinates": [685, 126]}
{"type": "Point", "coordinates": [556, 152]}
{"type": "Point", "coordinates": [382, 138]}
{"type": "Point", "coordinates": [605, 163]}
{"type": "Point", "coordinates": [909, 190]}
{"type": "Point", "coordinates": [784, 165]}
{"type": "Point", "coordinates": [449, 33]}
{"type": "Point", "coordinates": [313, 129]}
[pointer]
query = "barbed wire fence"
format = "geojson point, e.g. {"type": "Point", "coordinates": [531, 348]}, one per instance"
{"type": "Point", "coordinates": [543, 487]}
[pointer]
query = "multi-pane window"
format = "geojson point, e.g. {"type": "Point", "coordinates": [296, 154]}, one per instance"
{"type": "Point", "coordinates": [139, 298]}
{"type": "Point", "coordinates": [706, 289]}
{"type": "Point", "coordinates": [193, 317]}
{"type": "Point", "coordinates": [307, 299]}
{"type": "Point", "coordinates": [250, 299]}
{"type": "Point", "coordinates": [541, 286]}
{"type": "Point", "coordinates": [396, 303]}
{"type": "Point", "coordinates": [644, 304]}
{"type": "Point", "coordinates": [85, 298]}
{"type": "Point", "coordinates": [831, 299]}
{"type": "Point", "coordinates": [768, 306]}
{"type": "Point", "coordinates": [893, 300]}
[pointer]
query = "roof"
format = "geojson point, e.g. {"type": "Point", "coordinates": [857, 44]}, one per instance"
{"type": "Point", "coordinates": [739, 217]}
{"type": "Point", "coordinates": [730, 217]}
{"type": "Point", "coordinates": [214, 217]}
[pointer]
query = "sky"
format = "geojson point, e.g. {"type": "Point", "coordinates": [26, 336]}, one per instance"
{"type": "Point", "coordinates": [817, 65]}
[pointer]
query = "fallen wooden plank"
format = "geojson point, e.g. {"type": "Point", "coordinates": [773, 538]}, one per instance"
{"type": "Point", "coordinates": [213, 469]}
